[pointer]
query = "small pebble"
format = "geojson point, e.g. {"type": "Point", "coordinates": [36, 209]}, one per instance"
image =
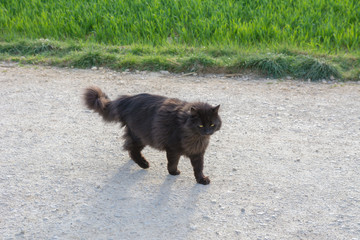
{"type": "Point", "coordinates": [193, 227]}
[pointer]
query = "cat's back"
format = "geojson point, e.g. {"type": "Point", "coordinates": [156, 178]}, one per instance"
{"type": "Point", "coordinates": [142, 100]}
{"type": "Point", "coordinates": [142, 105]}
{"type": "Point", "coordinates": [154, 119]}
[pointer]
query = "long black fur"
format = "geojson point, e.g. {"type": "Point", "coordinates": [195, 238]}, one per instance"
{"type": "Point", "coordinates": [168, 124]}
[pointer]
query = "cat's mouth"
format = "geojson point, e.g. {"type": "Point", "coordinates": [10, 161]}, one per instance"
{"type": "Point", "coordinates": [206, 133]}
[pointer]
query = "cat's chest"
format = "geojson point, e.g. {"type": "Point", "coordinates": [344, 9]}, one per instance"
{"type": "Point", "coordinates": [194, 144]}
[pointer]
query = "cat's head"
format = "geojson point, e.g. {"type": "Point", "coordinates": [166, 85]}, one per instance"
{"type": "Point", "coordinates": [204, 119]}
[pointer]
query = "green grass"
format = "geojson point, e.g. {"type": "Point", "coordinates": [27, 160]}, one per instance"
{"type": "Point", "coordinates": [330, 25]}
{"type": "Point", "coordinates": [183, 59]}
{"type": "Point", "coordinates": [313, 39]}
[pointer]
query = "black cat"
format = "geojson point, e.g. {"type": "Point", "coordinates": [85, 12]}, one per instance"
{"type": "Point", "coordinates": [178, 127]}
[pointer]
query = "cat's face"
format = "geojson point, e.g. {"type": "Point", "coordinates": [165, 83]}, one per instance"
{"type": "Point", "coordinates": [205, 120]}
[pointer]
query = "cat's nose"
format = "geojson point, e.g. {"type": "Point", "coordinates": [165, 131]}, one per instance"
{"type": "Point", "coordinates": [208, 132]}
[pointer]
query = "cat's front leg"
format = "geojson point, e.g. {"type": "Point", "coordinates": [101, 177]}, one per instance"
{"type": "Point", "coordinates": [197, 161]}
{"type": "Point", "coordinates": [173, 161]}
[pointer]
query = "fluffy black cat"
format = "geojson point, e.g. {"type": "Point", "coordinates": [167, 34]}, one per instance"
{"type": "Point", "coordinates": [178, 127]}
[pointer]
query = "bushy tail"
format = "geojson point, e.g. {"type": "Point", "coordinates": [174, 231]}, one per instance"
{"type": "Point", "coordinates": [98, 101]}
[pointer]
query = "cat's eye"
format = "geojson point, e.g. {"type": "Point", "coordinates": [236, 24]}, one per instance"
{"type": "Point", "coordinates": [200, 126]}
{"type": "Point", "coordinates": [212, 125]}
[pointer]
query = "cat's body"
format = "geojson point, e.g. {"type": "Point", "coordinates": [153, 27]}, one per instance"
{"type": "Point", "coordinates": [167, 124]}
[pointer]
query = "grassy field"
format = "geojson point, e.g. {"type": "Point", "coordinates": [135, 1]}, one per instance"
{"type": "Point", "coordinates": [313, 39]}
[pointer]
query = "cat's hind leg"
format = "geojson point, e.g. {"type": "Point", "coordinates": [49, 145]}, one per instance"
{"type": "Point", "coordinates": [134, 146]}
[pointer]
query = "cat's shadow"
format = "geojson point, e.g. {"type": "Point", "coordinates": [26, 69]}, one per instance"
{"type": "Point", "coordinates": [127, 175]}
{"type": "Point", "coordinates": [131, 203]}
{"type": "Point", "coordinates": [168, 190]}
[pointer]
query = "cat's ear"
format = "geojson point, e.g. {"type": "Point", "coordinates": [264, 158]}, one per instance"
{"type": "Point", "coordinates": [216, 109]}
{"type": "Point", "coordinates": [193, 111]}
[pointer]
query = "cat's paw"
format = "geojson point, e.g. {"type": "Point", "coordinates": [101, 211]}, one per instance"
{"type": "Point", "coordinates": [177, 172]}
{"type": "Point", "coordinates": [143, 164]}
{"type": "Point", "coordinates": [204, 180]}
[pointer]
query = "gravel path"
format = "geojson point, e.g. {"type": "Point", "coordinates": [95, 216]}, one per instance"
{"type": "Point", "coordinates": [285, 165]}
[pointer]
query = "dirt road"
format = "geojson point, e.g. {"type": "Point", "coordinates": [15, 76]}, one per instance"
{"type": "Point", "coordinates": [285, 165]}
